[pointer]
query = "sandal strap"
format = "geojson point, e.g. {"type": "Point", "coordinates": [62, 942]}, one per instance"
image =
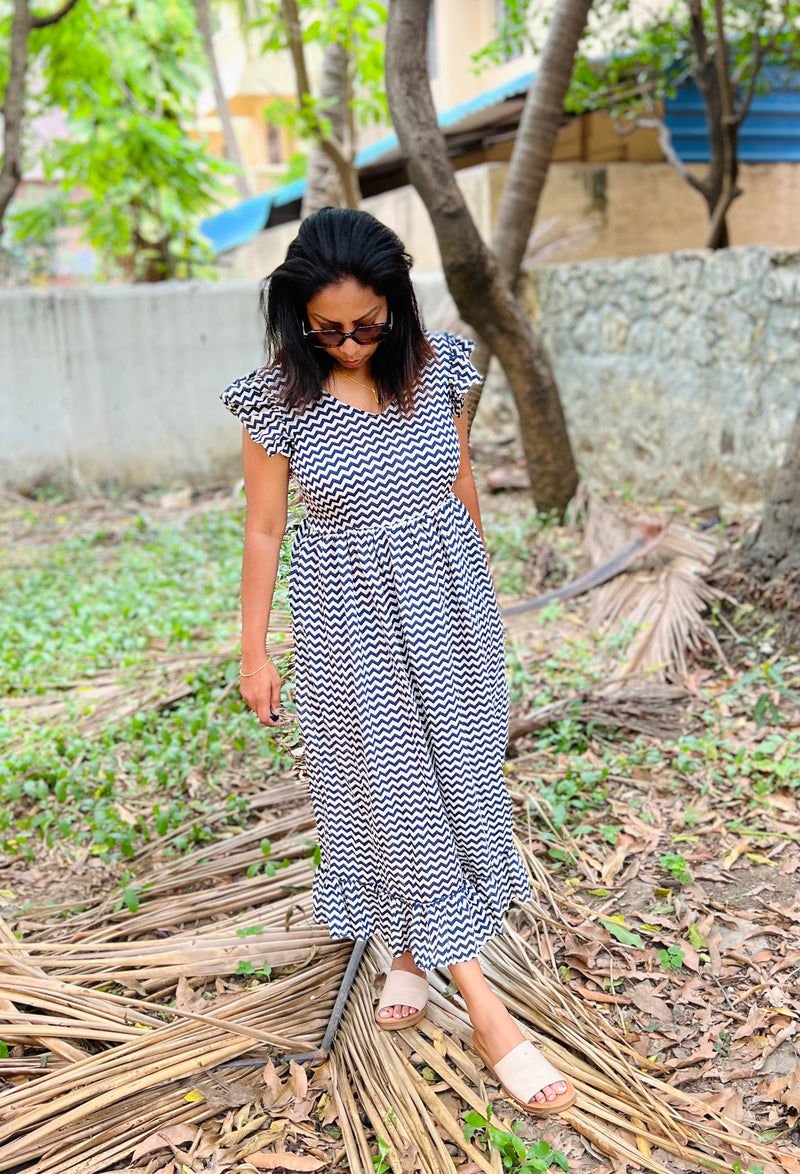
{"type": "Point", "coordinates": [404, 989]}
{"type": "Point", "coordinates": [525, 1071]}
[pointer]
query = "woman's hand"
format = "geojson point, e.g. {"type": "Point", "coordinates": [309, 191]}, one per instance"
{"type": "Point", "coordinates": [262, 693]}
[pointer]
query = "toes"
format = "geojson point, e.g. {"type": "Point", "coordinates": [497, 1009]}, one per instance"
{"type": "Point", "coordinates": [397, 1011]}
{"type": "Point", "coordinates": [550, 1092]}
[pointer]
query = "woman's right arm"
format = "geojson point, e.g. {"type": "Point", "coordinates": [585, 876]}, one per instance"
{"type": "Point", "coordinates": [266, 486]}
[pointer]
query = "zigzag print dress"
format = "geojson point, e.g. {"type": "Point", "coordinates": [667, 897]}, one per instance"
{"type": "Point", "coordinates": [400, 684]}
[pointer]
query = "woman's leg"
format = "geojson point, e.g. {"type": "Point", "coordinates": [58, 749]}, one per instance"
{"type": "Point", "coordinates": [403, 962]}
{"type": "Point", "coordinates": [490, 1018]}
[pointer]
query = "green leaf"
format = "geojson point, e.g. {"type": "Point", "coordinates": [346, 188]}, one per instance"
{"type": "Point", "coordinates": [696, 939]}
{"type": "Point", "coordinates": [625, 936]}
{"type": "Point", "coordinates": [131, 898]}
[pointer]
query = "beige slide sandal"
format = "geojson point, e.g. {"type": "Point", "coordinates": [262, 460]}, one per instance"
{"type": "Point", "coordinates": [522, 1073]}
{"type": "Point", "coordinates": [403, 989]}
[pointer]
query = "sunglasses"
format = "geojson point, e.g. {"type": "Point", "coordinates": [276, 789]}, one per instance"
{"type": "Point", "coordinates": [363, 335]}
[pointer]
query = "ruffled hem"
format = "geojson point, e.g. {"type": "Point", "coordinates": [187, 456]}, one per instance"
{"type": "Point", "coordinates": [439, 933]}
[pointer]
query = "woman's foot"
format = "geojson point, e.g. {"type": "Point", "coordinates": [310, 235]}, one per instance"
{"type": "Point", "coordinates": [497, 1034]}
{"type": "Point", "coordinates": [404, 962]}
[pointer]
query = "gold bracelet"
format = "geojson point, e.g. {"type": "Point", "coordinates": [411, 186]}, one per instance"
{"type": "Point", "coordinates": [258, 670]}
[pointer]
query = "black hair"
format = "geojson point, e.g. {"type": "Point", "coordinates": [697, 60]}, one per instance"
{"type": "Point", "coordinates": [332, 245]}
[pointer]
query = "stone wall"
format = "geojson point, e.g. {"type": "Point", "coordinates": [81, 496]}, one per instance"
{"type": "Point", "coordinates": [679, 373]}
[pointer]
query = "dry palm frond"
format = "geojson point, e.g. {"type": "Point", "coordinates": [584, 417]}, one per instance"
{"type": "Point", "coordinates": [135, 1059]}
{"type": "Point", "coordinates": [656, 711]}
{"type": "Point", "coordinates": [101, 1107]}
{"type": "Point", "coordinates": [551, 237]}
{"type": "Point", "coordinates": [662, 603]}
{"type": "Point", "coordinates": [617, 1099]}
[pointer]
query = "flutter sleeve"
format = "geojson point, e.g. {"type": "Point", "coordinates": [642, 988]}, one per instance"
{"type": "Point", "coordinates": [268, 421]}
{"type": "Point", "coordinates": [462, 375]}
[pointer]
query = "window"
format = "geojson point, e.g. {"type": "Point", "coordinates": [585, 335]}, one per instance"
{"type": "Point", "coordinates": [274, 144]}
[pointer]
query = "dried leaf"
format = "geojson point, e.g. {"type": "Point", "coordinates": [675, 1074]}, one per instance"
{"type": "Point", "coordinates": [616, 859]}
{"type": "Point", "coordinates": [298, 1080]}
{"type": "Point", "coordinates": [642, 997]}
{"type": "Point", "coordinates": [262, 1160]}
{"type": "Point", "coordinates": [272, 1085]}
{"type": "Point", "coordinates": [171, 1135]}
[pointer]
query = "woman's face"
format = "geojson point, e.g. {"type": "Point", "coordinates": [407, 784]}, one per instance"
{"type": "Point", "coordinates": [344, 307]}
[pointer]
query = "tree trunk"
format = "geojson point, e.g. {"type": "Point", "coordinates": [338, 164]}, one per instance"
{"type": "Point", "coordinates": [22, 21]}
{"type": "Point", "coordinates": [538, 130]}
{"type": "Point", "coordinates": [232, 151]}
{"type": "Point", "coordinates": [484, 299]}
{"type": "Point", "coordinates": [323, 186]}
{"type": "Point", "coordinates": [14, 107]}
{"type": "Point", "coordinates": [333, 149]}
{"type": "Point", "coordinates": [775, 549]}
{"type": "Point", "coordinates": [714, 83]}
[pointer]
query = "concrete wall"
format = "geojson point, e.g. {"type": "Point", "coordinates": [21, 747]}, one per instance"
{"type": "Point", "coordinates": [679, 374]}
{"type": "Point", "coordinates": [119, 384]}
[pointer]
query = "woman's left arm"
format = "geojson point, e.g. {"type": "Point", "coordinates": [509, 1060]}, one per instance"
{"type": "Point", "coordinates": [464, 484]}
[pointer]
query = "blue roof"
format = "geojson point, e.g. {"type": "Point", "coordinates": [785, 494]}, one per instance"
{"type": "Point", "coordinates": [769, 134]}
{"type": "Point", "coordinates": [239, 224]}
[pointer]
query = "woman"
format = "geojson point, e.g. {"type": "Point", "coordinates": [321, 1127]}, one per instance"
{"type": "Point", "coordinates": [400, 684]}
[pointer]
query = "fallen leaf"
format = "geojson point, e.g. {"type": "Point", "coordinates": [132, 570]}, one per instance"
{"type": "Point", "coordinates": [755, 1020]}
{"type": "Point", "coordinates": [272, 1085]}
{"type": "Point", "coordinates": [283, 1161]}
{"type": "Point", "coordinates": [643, 998]}
{"type": "Point", "coordinates": [172, 1135]}
{"type": "Point", "coordinates": [298, 1080]}
{"type": "Point", "coordinates": [616, 858]}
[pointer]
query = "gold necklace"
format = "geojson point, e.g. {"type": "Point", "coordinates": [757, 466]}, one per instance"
{"type": "Point", "coordinates": [358, 383]}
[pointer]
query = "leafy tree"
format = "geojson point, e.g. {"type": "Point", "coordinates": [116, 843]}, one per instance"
{"type": "Point", "coordinates": [483, 281]}
{"type": "Point", "coordinates": [130, 173]}
{"type": "Point", "coordinates": [730, 49]}
{"type": "Point", "coordinates": [351, 89]}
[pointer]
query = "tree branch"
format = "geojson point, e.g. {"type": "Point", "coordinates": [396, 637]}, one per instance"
{"type": "Point", "coordinates": [744, 105]}
{"type": "Point", "coordinates": [42, 22]}
{"type": "Point", "coordinates": [667, 149]}
{"type": "Point", "coordinates": [22, 22]}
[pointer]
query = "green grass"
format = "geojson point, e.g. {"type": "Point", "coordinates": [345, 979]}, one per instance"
{"type": "Point", "coordinates": [103, 603]}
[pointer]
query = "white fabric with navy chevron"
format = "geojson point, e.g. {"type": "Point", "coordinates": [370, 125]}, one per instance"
{"type": "Point", "coordinates": [400, 684]}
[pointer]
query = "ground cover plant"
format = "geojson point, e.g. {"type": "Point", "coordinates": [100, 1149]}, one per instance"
{"type": "Point", "coordinates": [157, 852]}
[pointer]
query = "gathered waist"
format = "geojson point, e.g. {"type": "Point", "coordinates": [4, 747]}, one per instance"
{"type": "Point", "coordinates": [319, 529]}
